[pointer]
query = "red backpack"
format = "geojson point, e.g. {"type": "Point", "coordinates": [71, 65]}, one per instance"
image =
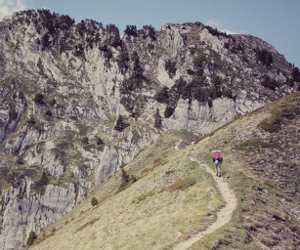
{"type": "Point", "coordinates": [217, 156]}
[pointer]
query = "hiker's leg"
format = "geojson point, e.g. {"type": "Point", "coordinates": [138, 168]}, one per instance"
{"type": "Point", "coordinates": [219, 174]}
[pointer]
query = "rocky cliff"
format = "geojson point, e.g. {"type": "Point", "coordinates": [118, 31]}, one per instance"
{"type": "Point", "coordinates": [78, 102]}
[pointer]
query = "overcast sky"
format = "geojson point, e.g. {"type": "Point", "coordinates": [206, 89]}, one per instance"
{"type": "Point", "coordinates": [275, 21]}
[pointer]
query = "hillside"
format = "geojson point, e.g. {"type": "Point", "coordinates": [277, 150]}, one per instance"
{"type": "Point", "coordinates": [172, 197]}
{"type": "Point", "coordinates": [78, 102]}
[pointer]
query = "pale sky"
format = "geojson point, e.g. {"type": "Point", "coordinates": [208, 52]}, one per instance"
{"type": "Point", "coordinates": [275, 21]}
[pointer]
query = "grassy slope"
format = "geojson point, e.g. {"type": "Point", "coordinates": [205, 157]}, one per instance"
{"type": "Point", "coordinates": [173, 197]}
{"type": "Point", "coordinates": [261, 163]}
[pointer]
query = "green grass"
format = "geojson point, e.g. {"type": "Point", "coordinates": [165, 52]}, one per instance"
{"type": "Point", "coordinates": [261, 220]}
{"type": "Point", "coordinates": [171, 201]}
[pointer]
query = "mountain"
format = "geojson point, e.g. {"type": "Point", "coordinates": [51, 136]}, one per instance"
{"type": "Point", "coordinates": [79, 102]}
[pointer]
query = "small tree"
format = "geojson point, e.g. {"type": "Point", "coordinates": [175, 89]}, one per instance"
{"type": "Point", "coordinates": [39, 99]}
{"type": "Point", "coordinates": [121, 124]}
{"type": "Point", "coordinates": [265, 57]}
{"type": "Point", "coordinates": [131, 30]}
{"type": "Point", "coordinates": [32, 236]}
{"type": "Point", "coordinates": [296, 74]}
{"type": "Point", "coordinates": [94, 201]}
{"type": "Point", "coordinates": [158, 120]}
{"type": "Point", "coordinates": [170, 68]}
{"type": "Point", "coordinates": [162, 95]}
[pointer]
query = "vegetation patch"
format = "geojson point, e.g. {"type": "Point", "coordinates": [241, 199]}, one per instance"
{"type": "Point", "coordinates": [143, 197]}
{"type": "Point", "coordinates": [279, 116]}
{"type": "Point", "coordinates": [94, 201]}
{"type": "Point", "coordinates": [181, 184]}
{"type": "Point", "coordinates": [91, 222]}
{"type": "Point", "coordinates": [254, 144]}
{"type": "Point", "coordinates": [126, 180]}
{"type": "Point", "coordinates": [170, 67]}
{"type": "Point", "coordinates": [31, 238]}
{"type": "Point", "coordinates": [121, 123]}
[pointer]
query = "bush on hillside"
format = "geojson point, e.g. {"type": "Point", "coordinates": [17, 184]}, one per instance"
{"type": "Point", "coordinates": [150, 30]}
{"type": "Point", "coordinates": [121, 124]}
{"type": "Point", "coordinates": [126, 180]}
{"type": "Point", "coordinates": [131, 30]}
{"type": "Point", "coordinates": [265, 57]}
{"type": "Point", "coordinates": [32, 236]}
{"type": "Point", "coordinates": [123, 60]}
{"type": "Point", "coordinates": [107, 53]}
{"type": "Point", "coordinates": [162, 95]}
{"type": "Point", "coordinates": [169, 111]}
{"type": "Point", "coordinates": [170, 67]}
{"type": "Point", "coordinates": [39, 99]}
{"type": "Point", "coordinates": [94, 201]}
{"type": "Point", "coordinates": [296, 74]}
{"type": "Point", "coordinates": [270, 83]}
{"type": "Point", "coordinates": [158, 120]}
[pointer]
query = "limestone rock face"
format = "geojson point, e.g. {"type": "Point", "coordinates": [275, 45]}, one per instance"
{"type": "Point", "coordinates": [77, 102]}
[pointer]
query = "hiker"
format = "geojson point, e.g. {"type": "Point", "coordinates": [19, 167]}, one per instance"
{"type": "Point", "coordinates": [217, 160]}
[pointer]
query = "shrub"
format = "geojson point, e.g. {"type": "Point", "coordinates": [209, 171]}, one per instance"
{"type": "Point", "coordinates": [121, 124]}
{"type": "Point", "coordinates": [254, 144]}
{"type": "Point", "coordinates": [31, 121]}
{"type": "Point", "coordinates": [201, 95]}
{"type": "Point", "coordinates": [39, 99]}
{"type": "Point", "coordinates": [100, 144]}
{"type": "Point", "coordinates": [170, 67]}
{"type": "Point", "coordinates": [107, 53]}
{"type": "Point", "coordinates": [131, 30]}
{"type": "Point", "coordinates": [198, 61]}
{"type": "Point", "coordinates": [216, 32]}
{"type": "Point", "coordinates": [123, 60]}
{"type": "Point", "coordinates": [169, 111]}
{"type": "Point", "coordinates": [94, 201]}
{"type": "Point", "coordinates": [150, 46]}
{"type": "Point", "coordinates": [190, 72]}
{"type": "Point", "coordinates": [45, 41]}
{"type": "Point", "coordinates": [32, 236]}
{"type": "Point", "coordinates": [158, 120]}
{"type": "Point", "coordinates": [41, 181]}
{"type": "Point", "coordinates": [151, 31]}
{"type": "Point", "coordinates": [136, 63]}
{"type": "Point", "coordinates": [271, 124]}
{"type": "Point", "coordinates": [79, 51]}
{"type": "Point", "coordinates": [162, 95]}
{"type": "Point", "coordinates": [265, 57]}
{"type": "Point", "coordinates": [132, 84]}
{"type": "Point", "coordinates": [296, 74]}
{"type": "Point", "coordinates": [114, 39]}
{"type": "Point", "coordinates": [216, 80]}
{"type": "Point", "coordinates": [126, 180]}
{"type": "Point", "coordinates": [270, 83]}
{"type": "Point", "coordinates": [226, 92]}
{"type": "Point", "coordinates": [178, 86]}
{"type": "Point", "coordinates": [85, 140]}
{"type": "Point", "coordinates": [181, 184]}
{"type": "Point", "coordinates": [48, 113]}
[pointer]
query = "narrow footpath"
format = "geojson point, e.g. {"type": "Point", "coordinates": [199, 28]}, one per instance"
{"type": "Point", "coordinates": [223, 216]}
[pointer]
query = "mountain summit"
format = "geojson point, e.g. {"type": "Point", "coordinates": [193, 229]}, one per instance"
{"type": "Point", "coordinates": [79, 102]}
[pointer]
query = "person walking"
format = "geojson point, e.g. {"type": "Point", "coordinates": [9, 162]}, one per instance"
{"type": "Point", "coordinates": [217, 160]}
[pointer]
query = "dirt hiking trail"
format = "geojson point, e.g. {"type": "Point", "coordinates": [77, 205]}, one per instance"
{"type": "Point", "coordinates": [223, 216]}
